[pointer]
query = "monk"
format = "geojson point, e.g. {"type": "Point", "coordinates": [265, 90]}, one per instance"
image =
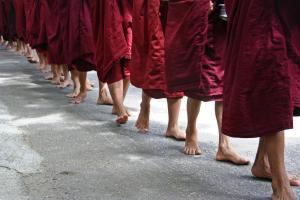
{"type": "Point", "coordinates": [147, 65]}
{"type": "Point", "coordinates": [19, 7]}
{"type": "Point", "coordinates": [37, 34]}
{"type": "Point", "coordinates": [79, 43]}
{"type": "Point", "coordinates": [31, 53]}
{"type": "Point", "coordinates": [262, 82]}
{"type": "Point", "coordinates": [113, 36]}
{"type": "Point", "coordinates": [194, 45]}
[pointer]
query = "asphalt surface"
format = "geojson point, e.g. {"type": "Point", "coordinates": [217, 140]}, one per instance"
{"type": "Point", "coordinates": [53, 150]}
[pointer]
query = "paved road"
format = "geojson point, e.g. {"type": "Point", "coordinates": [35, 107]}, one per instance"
{"type": "Point", "coordinates": [52, 150]}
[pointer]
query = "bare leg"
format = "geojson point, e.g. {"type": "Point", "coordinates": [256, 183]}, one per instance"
{"type": "Point", "coordinates": [225, 151]}
{"type": "Point", "coordinates": [56, 74]}
{"type": "Point", "coordinates": [89, 85]}
{"type": "Point", "coordinates": [173, 130]}
{"type": "Point", "coordinates": [116, 91]}
{"type": "Point", "coordinates": [274, 145]}
{"type": "Point", "coordinates": [142, 123]}
{"type": "Point", "coordinates": [66, 82]}
{"type": "Point", "coordinates": [261, 167]}
{"type": "Point", "coordinates": [75, 79]}
{"type": "Point", "coordinates": [104, 97]}
{"type": "Point", "coordinates": [83, 89]}
{"type": "Point", "coordinates": [126, 83]}
{"type": "Point", "coordinates": [191, 143]}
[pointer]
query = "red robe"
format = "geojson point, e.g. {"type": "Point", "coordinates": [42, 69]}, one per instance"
{"type": "Point", "coordinates": [262, 66]}
{"type": "Point", "coordinates": [34, 25]}
{"type": "Point", "coordinates": [112, 28]}
{"type": "Point", "coordinates": [194, 50]}
{"type": "Point", "coordinates": [79, 46]}
{"type": "Point", "coordinates": [11, 32]}
{"type": "Point", "coordinates": [54, 29]}
{"type": "Point", "coordinates": [28, 4]}
{"type": "Point", "coordinates": [3, 20]}
{"type": "Point", "coordinates": [19, 6]}
{"type": "Point", "coordinates": [148, 61]}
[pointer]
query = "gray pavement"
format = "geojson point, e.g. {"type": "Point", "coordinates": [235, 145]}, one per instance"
{"type": "Point", "coordinates": [52, 150]}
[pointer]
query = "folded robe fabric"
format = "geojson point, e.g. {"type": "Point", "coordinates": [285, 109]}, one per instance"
{"type": "Point", "coordinates": [112, 42]}
{"type": "Point", "coordinates": [262, 73]}
{"type": "Point", "coordinates": [147, 67]}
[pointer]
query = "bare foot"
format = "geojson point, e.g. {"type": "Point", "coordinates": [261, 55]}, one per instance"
{"type": "Point", "coordinates": [227, 154]}
{"type": "Point", "coordinates": [72, 94]}
{"type": "Point", "coordinates": [104, 98]}
{"type": "Point", "coordinates": [79, 98]}
{"type": "Point", "coordinates": [48, 76]}
{"type": "Point", "coordinates": [142, 123]}
{"type": "Point", "coordinates": [282, 193]}
{"type": "Point", "coordinates": [65, 84]}
{"type": "Point", "coordinates": [264, 172]}
{"type": "Point", "coordinates": [191, 145]}
{"type": "Point", "coordinates": [89, 86]}
{"type": "Point", "coordinates": [123, 119]}
{"type": "Point", "coordinates": [56, 81]}
{"type": "Point", "coordinates": [176, 133]}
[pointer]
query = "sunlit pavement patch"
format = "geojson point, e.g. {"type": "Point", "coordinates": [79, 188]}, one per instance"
{"type": "Point", "coordinates": [16, 158]}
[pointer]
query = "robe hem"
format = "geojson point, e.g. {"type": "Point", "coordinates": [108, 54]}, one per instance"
{"type": "Point", "coordinates": [256, 134]}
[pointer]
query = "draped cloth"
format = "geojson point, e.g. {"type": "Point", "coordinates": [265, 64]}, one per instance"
{"type": "Point", "coordinates": [195, 42]}
{"type": "Point", "coordinates": [36, 24]}
{"type": "Point", "coordinates": [10, 32]}
{"type": "Point", "coordinates": [79, 46]}
{"type": "Point", "coordinates": [148, 60]}
{"type": "Point", "coordinates": [262, 68]}
{"type": "Point", "coordinates": [20, 12]}
{"type": "Point", "coordinates": [55, 31]}
{"type": "Point", "coordinates": [113, 38]}
{"type": "Point", "coordinates": [3, 19]}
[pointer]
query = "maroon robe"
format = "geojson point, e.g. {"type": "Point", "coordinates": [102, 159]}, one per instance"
{"type": "Point", "coordinates": [194, 50]}
{"type": "Point", "coordinates": [55, 31]}
{"type": "Point", "coordinates": [19, 6]}
{"type": "Point", "coordinates": [112, 21]}
{"type": "Point", "coordinates": [3, 20]}
{"type": "Point", "coordinates": [148, 61]}
{"type": "Point", "coordinates": [262, 67]}
{"type": "Point", "coordinates": [10, 32]}
{"type": "Point", "coordinates": [29, 5]}
{"type": "Point", "coordinates": [34, 22]}
{"type": "Point", "coordinates": [79, 46]}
